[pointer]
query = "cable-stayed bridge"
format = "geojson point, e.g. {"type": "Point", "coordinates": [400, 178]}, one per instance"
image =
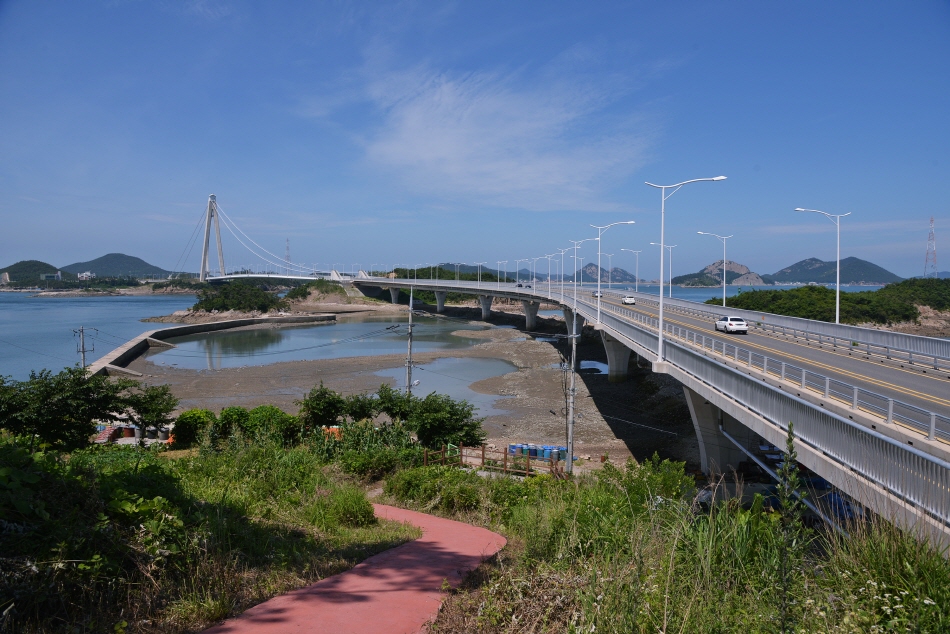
{"type": "Point", "coordinates": [871, 408]}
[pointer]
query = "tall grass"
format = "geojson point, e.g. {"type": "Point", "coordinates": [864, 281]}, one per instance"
{"type": "Point", "coordinates": [627, 550]}
{"type": "Point", "coordinates": [117, 539]}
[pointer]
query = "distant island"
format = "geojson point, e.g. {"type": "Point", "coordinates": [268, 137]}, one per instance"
{"type": "Point", "coordinates": [117, 265]}
{"type": "Point", "coordinates": [809, 271]}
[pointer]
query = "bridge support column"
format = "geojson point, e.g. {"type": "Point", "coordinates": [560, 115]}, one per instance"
{"type": "Point", "coordinates": [485, 301]}
{"type": "Point", "coordinates": [530, 313]}
{"type": "Point", "coordinates": [394, 293]}
{"type": "Point", "coordinates": [618, 358]}
{"type": "Point", "coordinates": [569, 321]}
{"type": "Point", "coordinates": [717, 454]}
{"type": "Point", "coordinates": [440, 301]}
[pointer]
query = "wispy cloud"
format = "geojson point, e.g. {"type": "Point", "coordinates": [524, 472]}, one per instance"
{"type": "Point", "coordinates": [549, 138]}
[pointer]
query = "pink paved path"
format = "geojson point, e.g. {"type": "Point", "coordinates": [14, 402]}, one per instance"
{"type": "Point", "coordinates": [395, 592]}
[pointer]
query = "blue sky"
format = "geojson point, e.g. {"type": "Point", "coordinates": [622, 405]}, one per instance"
{"type": "Point", "coordinates": [437, 131]}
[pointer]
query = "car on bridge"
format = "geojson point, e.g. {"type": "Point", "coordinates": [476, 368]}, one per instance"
{"type": "Point", "coordinates": [732, 324]}
{"type": "Point", "coordinates": [597, 294]}
{"type": "Point", "coordinates": [628, 299]}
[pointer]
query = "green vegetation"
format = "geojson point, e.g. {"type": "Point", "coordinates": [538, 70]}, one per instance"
{"type": "Point", "coordinates": [323, 287]}
{"type": "Point", "coordinates": [29, 271]}
{"type": "Point", "coordinates": [237, 296]}
{"type": "Point", "coordinates": [116, 265]}
{"type": "Point", "coordinates": [891, 304]}
{"type": "Point", "coordinates": [853, 271]}
{"type": "Point", "coordinates": [704, 279]}
{"type": "Point", "coordinates": [628, 549]}
{"type": "Point", "coordinates": [181, 282]}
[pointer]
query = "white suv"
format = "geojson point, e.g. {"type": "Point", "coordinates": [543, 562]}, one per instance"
{"type": "Point", "coordinates": [628, 299]}
{"type": "Point", "coordinates": [732, 324]}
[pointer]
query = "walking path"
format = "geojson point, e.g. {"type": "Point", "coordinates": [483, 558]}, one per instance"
{"type": "Point", "coordinates": [395, 592]}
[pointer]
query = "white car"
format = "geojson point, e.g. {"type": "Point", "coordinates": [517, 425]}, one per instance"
{"type": "Point", "coordinates": [597, 294]}
{"type": "Point", "coordinates": [628, 299]}
{"type": "Point", "coordinates": [732, 324]}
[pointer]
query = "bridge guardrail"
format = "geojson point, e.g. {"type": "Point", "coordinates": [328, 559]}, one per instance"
{"type": "Point", "coordinates": [906, 472]}
{"type": "Point", "coordinates": [895, 341]}
{"type": "Point", "coordinates": [889, 410]}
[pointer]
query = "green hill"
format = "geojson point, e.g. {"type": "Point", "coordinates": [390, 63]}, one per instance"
{"type": "Point", "coordinates": [853, 271]}
{"type": "Point", "coordinates": [28, 271]}
{"type": "Point", "coordinates": [116, 265]}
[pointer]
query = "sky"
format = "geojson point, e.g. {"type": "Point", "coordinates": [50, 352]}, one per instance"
{"type": "Point", "coordinates": [377, 134]}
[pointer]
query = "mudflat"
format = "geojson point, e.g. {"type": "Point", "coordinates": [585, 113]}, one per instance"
{"type": "Point", "coordinates": [643, 415]}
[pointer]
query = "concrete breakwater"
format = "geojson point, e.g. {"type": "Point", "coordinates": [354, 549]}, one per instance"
{"type": "Point", "coordinates": [115, 362]}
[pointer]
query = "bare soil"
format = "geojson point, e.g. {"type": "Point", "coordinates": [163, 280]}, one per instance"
{"type": "Point", "coordinates": [645, 414]}
{"type": "Point", "coordinates": [932, 323]}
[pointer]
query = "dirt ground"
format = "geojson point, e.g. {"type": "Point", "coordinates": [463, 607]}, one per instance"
{"type": "Point", "coordinates": [645, 414]}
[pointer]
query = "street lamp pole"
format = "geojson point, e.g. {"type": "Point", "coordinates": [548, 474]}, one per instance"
{"type": "Point", "coordinates": [723, 238]}
{"type": "Point", "coordinates": [636, 277]}
{"type": "Point", "coordinates": [835, 218]}
{"type": "Point", "coordinates": [670, 247]}
{"type": "Point", "coordinates": [600, 233]}
{"type": "Point", "coordinates": [663, 197]}
{"type": "Point", "coordinates": [610, 267]}
{"type": "Point", "coordinates": [479, 264]}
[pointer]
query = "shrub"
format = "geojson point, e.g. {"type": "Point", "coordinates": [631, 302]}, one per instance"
{"type": "Point", "coordinates": [361, 407]}
{"type": "Point", "coordinates": [379, 462]}
{"type": "Point", "coordinates": [230, 420]}
{"type": "Point", "coordinates": [190, 425]}
{"type": "Point", "coordinates": [322, 407]}
{"type": "Point", "coordinates": [438, 419]}
{"type": "Point", "coordinates": [267, 422]}
{"type": "Point", "coordinates": [446, 488]}
{"type": "Point", "coordinates": [152, 405]}
{"type": "Point", "coordinates": [393, 403]}
{"type": "Point", "coordinates": [342, 506]}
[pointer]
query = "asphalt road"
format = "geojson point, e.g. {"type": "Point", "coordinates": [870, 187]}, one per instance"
{"type": "Point", "coordinates": [928, 391]}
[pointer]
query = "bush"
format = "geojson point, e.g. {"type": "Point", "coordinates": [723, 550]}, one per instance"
{"type": "Point", "coordinates": [394, 403]}
{"type": "Point", "coordinates": [322, 407]}
{"type": "Point", "coordinates": [440, 420]}
{"type": "Point", "coordinates": [443, 487]}
{"type": "Point", "coordinates": [361, 407]}
{"type": "Point", "coordinates": [269, 423]}
{"type": "Point", "coordinates": [343, 506]}
{"type": "Point", "coordinates": [190, 425]}
{"type": "Point", "coordinates": [230, 420]}
{"type": "Point", "coordinates": [324, 287]}
{"type": "Point", "coordinates": [152, 405]}
{"type": "Point", "coordinates": [380, 462]}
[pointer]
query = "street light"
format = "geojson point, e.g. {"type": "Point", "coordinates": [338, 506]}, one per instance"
{"type": "Point", "coordinates": [835, 218]}
{"type": "Point", "coordinates": [600, 232]}
{"type": "Point", "coordinates": [670, 247]}
{"type": "Point", "coordinates": [610, 267]}
{"type": "Point", "coordinates": [500, 262]}
{"type": "Point", "coordinates": [723, 238]}
{"type": "Point", "coordinates": [479, 264]}
{"type": "Point", "coordinates": [663, 197]}
{"type": "Point", "coordinates": [636, 277]}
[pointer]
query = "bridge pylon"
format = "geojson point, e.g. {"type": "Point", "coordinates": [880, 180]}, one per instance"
{"type": "Point", "coordinates": [212, 215]}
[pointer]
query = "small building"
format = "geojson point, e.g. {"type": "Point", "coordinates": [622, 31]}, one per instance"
{"type": "Point", "coordinates": [85, 277]}
{"type": "Point", "coordinates": [51, 277]}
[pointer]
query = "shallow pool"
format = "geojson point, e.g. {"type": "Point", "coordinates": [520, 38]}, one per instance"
{"type": "Point", "coordinates": [454, 376]}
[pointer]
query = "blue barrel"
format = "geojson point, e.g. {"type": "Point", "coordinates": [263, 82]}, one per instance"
{"type": "Point", "coordinates": [547, 452]}
{"type": "Point", "coordinates": [513, 449]}
{"type": "Point", "coordinates": [563, 453]}
{"type": "Point", "coordinates": [532, 451]}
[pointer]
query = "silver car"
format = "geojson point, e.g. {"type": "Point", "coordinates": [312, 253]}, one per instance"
{"type": "Point", "coordinates": [732, 324]}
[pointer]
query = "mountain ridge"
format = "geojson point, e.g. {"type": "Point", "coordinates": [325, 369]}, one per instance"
{"type": "Point", "coordinates": [116, 265]}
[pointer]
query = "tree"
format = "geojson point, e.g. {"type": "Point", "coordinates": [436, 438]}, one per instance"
{"type": "Point", "coordinates": [395, 404]}
{"type": "Point", "coordinates": [361, 407]}
{"type": "Point", "coordinates": [791, 546]}
{"type": "Point", "coordinates": [152, 405]}
{"type": "Point", "coordinates": [322, 407]}
{"type": "Point", "coordinates": [438, 419]}
{"type": "Point", "coordinates": [62, 409]}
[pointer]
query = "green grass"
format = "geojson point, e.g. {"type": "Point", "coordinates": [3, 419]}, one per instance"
{"type": "Point", "coordinates": [108, 535]}
{"type": "Point", "coordinates": [627, 550]}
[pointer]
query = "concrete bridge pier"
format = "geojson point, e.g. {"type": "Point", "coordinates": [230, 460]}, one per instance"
{"type": "Point", "coordinates": [618, 358]}
{"type": "Point", "coordinates": [440, 301]}
{"type": "Point", "coordinates": [485, 301]}
{"type": "Point", "coordinates": [394, 293]}
{"type": "Point", "coordinates": [530, 313]}
{"type": "Point", "coordinates": [569, 321]}
{"type": "Point", "coordinates": [717, 454]}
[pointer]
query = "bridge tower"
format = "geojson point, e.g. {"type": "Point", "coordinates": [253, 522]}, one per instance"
{"type": "Point", "coordinates": [930, 261]}
{"type": "Point", "coordinates": [212, 216]}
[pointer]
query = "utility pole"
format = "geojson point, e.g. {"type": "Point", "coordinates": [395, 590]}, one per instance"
{"type": "Point", "coordinates": [569, 463]}
{"type": "Point", "coordinates": [409, 357]}
{"type": "Point", "coordinates": [82, 343]}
